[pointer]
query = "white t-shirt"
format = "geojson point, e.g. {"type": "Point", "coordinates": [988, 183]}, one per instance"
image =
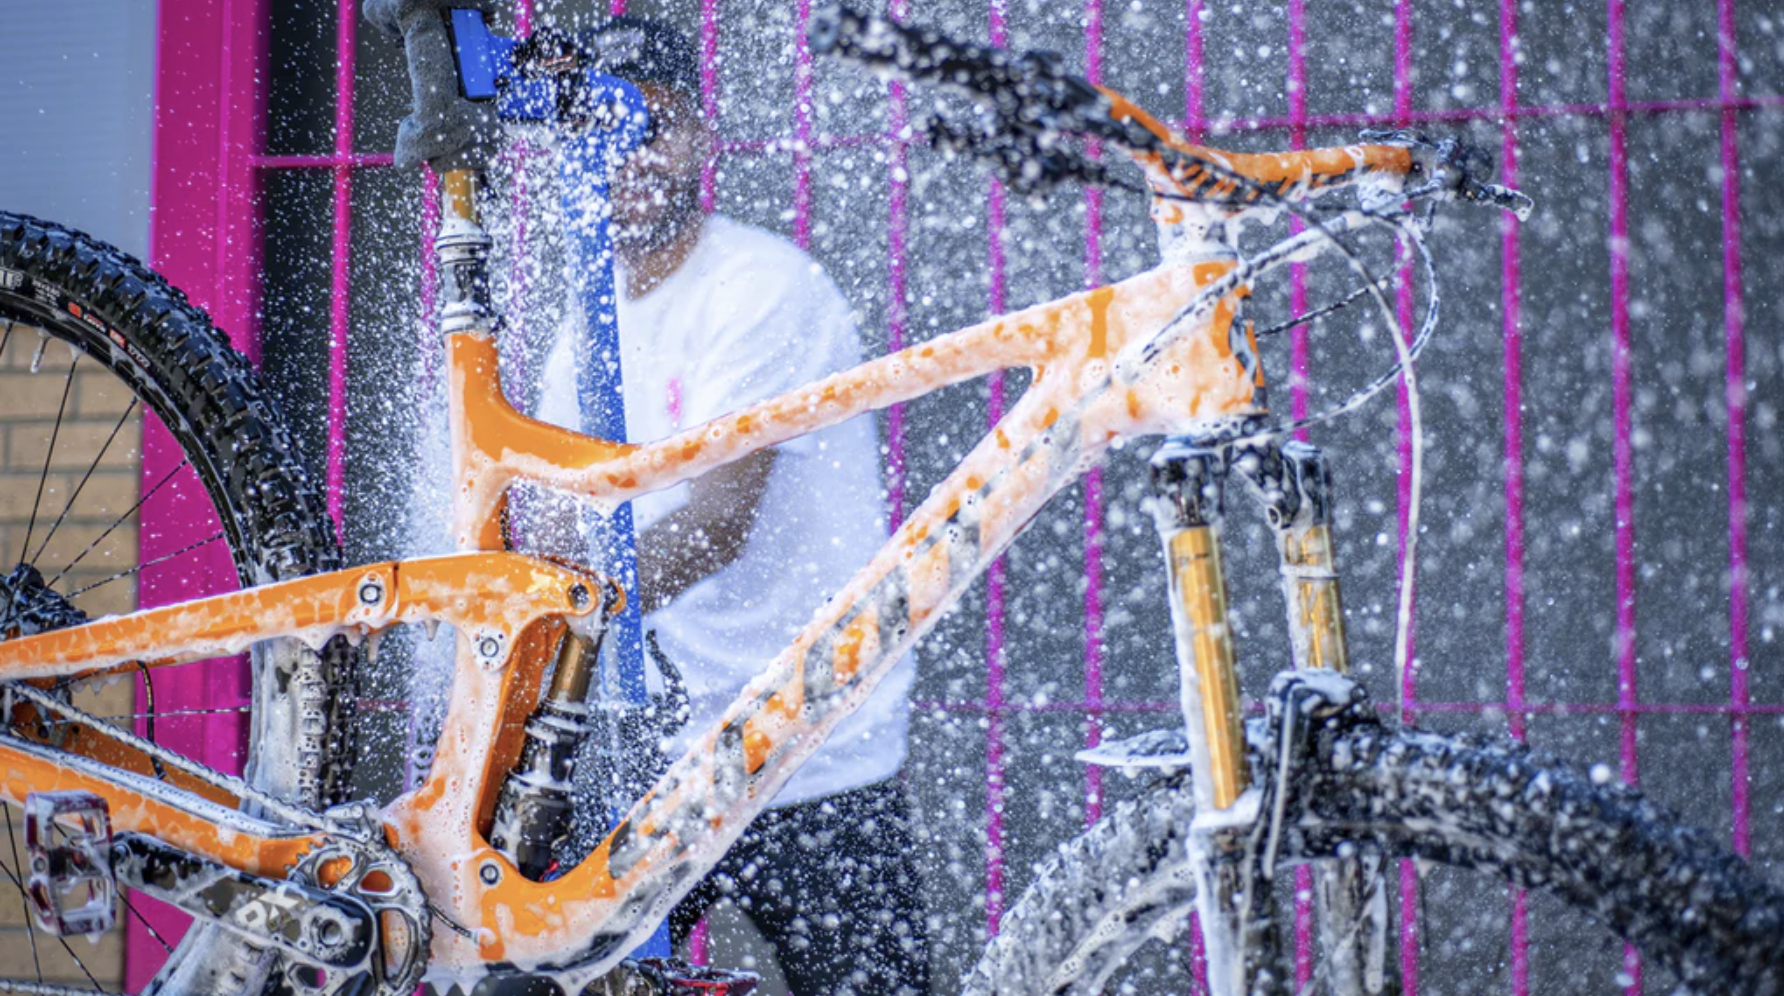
{"type": "Point", "coordinates": [746, 317]}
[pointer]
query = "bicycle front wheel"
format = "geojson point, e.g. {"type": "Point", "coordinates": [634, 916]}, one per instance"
{"type": "Point", "coordinates": [92, 343]}
{"type": "Point", "coordinates": [1691, 908]}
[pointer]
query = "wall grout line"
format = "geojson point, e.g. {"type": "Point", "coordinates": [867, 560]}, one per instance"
{"type": "Point", "coordinates": [1511, 317]}
{"type": "Point", "coordinates": [994, 580]}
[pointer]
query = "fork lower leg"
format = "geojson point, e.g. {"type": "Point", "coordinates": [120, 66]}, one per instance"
{"type": "Point", "coordinates": [1189, 482]}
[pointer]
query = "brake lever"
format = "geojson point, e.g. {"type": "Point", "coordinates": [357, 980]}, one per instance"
{"type": "Point", "coordinates": [1502, 197]}
{"type": "Point", "coordinates": [1456, 167]}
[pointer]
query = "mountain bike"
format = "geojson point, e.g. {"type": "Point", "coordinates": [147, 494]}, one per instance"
{"type": "Point", "coordinates": [465, 880]}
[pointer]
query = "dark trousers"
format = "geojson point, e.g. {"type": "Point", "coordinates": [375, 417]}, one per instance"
{"type": "Point", "coordinates": [832, 884]}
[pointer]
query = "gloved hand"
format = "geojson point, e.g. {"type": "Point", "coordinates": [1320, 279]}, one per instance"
{"type": "Point", "coordinates": [443, 129]}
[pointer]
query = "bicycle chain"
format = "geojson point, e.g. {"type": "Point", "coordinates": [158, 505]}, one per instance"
{"type": "Point", "coordinates": [295, 815]}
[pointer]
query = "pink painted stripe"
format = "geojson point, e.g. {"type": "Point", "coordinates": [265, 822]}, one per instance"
{"type": "Point", "coordinates": [1194, 116]}
{"type": "Point", "coordinates": [432, 350]}
{"type": "Point", "coordinates": [1520, 942]}
{"type": "Point", "coordinates": [433, 356]}
{"type": "Point", "coordinates": [1511, 308]}
{"type": "Point", "coordinates": [1404, 301]}
{"type": "Point", "coordinates": [1224, 126]}
{"type": "Point", "coordinates": [1303, 927]}
{"type": "Point", "coordinates": [709, 94]}
{"type": "Point", "coordinates": [1734, 333]}
{"type": "Point", "coordinates": [792, 143]}
{"type": "Point", "coordinates": [994, 587]}
{"type": "Point", "coordinates": [1623, 451]}
{"type": "Point", "coordinates": [514, 319]}
{"type": "Point", "coordinates": [802, 125]}
{"type": "Point", "coordinates": [1093, 639]}
{"type": "Point", "coordinates": [1194, 121]}
{"type": "Point", "coordinates": [1299, 361]}
{"type": "Point", "coordinates": [1623, 455]}
{"type": "Point", "coordinates": [1093, 482]}
{"type": "Point", "coordinates": [340, 280]}
{"type": "Point", "coordinates": [1297, 73]}
{"type": "Point", "coordinates": [519, 155]}
{"type": "Point", "coordinates": [1490, 709]}
{"type": "Point", "coordinates": [1193, 125]}
{"type": "Point", "coordinates": [1511, 316]}
{"type": "Point", "coordinates": [1299, 373]}
{"type": "Point", "coordinates": [327, 161]}
{"type": "Point", "coordinates": [238, 252]}
{"type": "Point", "coordinates": [203, 237]}
{"type": "Point", "coordinates": [698, 939]}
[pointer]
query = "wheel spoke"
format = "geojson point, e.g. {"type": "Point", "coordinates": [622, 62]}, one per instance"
{"type": "Point", "coordinates": [120, 521]}
{"type": "Point", "coordinates": [30, 923]}
{"type": "Point", "coordinates": [143, 566]}
{"type": "Point", "coordinates": [129, 410]}
{"type": "Point", "coordinates": [49, 455]}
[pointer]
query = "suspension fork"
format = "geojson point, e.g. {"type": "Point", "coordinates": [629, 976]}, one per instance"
{"type": "Point", "coordinates": [1293, 484]}
{"type": "Point", "coordinates": [1189, 482]}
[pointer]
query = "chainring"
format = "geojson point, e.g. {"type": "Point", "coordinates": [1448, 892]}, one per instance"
{"type": "Point", "coordinates": [373, 873]}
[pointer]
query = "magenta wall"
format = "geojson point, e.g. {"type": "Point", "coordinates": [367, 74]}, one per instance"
{"type": "Point", "coordinates": [204, 238]}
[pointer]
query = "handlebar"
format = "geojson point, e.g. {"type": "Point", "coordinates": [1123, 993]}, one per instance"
{"type": "Point", "coordinates": [1028, 102]}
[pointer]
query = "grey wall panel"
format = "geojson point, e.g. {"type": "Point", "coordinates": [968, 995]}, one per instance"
{"type": "Point", "coordinates": [77, 105]}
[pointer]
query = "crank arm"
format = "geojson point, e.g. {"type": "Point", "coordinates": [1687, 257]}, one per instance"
{"type": "Point", "coordinates": [309, 926]}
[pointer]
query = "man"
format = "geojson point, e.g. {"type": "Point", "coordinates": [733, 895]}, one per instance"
{"type": "Point", "coordinates": [715, 315]}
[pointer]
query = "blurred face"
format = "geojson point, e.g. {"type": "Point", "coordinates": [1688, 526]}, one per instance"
{"type": "Point", "coordinates": [657, 192]}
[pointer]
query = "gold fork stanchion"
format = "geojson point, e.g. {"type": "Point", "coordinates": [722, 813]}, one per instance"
{"type": "Point", "coordinates": [1188, 482]}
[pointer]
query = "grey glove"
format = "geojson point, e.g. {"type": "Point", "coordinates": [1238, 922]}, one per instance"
{"type": "Point", "coordinates": [443, 129]}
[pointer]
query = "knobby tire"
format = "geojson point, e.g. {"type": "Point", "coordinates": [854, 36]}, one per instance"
{"type": "Point", "coordinates": [1687, 904]}
{"type": "Point", "coordinates": [116, 312]}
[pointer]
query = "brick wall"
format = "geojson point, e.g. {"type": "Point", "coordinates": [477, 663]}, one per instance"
{"type": "Point", "coordinates": [96, 402]}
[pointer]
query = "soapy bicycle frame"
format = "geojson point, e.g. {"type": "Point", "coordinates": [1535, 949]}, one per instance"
{"type": "Point", "coordinates": [509, 610]}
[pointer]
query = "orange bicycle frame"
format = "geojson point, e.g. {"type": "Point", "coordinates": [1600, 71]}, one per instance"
{"type": "Point", "coordinates": [596, 911]}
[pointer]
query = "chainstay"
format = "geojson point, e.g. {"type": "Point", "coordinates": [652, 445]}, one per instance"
{"type": "Point", "coordinates": [294, 815]}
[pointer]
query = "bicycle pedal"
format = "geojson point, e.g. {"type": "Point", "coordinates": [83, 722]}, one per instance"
{"type": "Point", "coordinates": [68, 842]}
{"type": "Point", "coordinates": [679, 978]}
